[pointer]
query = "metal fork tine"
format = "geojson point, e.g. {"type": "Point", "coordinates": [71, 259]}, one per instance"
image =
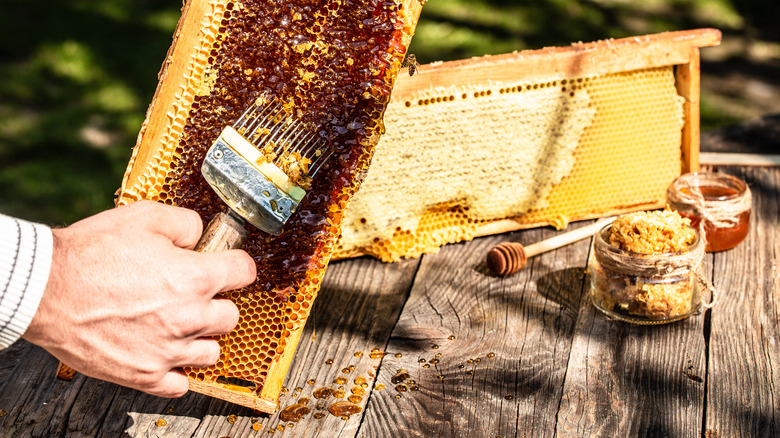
{"type": "Point", "coordinates": [296, 138]}
{"type": "Point", "coordinates": [317, 165]}
{"type": "Point", "coordinates": [281, 137]}
{"type": "Point", "coordinates": [309, 147]}
{"type": "Point", "coordinates": [264, 115]}
{"type": "Point", "coordinates": [287, 133]}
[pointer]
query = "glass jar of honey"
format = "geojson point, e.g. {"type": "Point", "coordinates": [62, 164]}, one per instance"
{"type": "Point", "coordinates": [717, 204]}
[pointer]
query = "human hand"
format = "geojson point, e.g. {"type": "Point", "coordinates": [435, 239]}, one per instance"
{"type": "Point", "coordinates": [128, 301]}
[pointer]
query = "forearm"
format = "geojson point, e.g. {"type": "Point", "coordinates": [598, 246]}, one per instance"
{"type": "Point", "coordinates": [25, 261]}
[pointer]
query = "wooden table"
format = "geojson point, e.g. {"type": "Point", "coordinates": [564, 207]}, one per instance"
{"type": "Point", "coordinates": [526, 355]}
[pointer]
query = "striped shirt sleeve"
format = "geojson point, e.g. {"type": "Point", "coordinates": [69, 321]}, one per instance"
{"type": "Point", "coordinates": [25, 261]}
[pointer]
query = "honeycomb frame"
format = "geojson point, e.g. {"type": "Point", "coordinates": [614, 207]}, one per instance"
{"type": "Point", "coordinates": [200, 81]}
{"type": "Point", "coordinates": [479, 85]}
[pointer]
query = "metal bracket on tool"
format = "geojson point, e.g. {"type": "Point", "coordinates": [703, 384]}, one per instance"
{"type": "Point", "coordinates": [247, 191]}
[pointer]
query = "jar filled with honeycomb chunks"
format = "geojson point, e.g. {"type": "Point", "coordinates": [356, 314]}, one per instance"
{"type": "Point", "coordinates": [645, 288]}
{"type": "Point", "coordinates": [717, 204]}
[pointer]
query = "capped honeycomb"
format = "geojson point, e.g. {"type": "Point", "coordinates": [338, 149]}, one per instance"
{"type": "Point", "coordinates": [333, 63]}
{"type": "Point", "coordinates": [465, 157]}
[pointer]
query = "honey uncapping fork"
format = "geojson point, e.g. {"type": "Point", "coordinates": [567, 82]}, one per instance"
{"type": "Point", "coordinates": [509, 257]}
{"type": "Point", "coordinates": [245, 166]}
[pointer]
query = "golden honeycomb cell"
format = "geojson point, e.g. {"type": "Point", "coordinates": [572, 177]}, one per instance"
{"type": "Point", "coordinates": [333, 63]}
{"type": "Point", "coordinates": [528, 139]}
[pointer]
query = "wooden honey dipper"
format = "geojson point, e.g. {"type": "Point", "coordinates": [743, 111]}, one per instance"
{"type": "Point", "coordinates": [509, 257]}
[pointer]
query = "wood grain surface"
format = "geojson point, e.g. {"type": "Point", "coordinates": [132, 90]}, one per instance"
{"type": "Point", "coordinates": [526, 355]}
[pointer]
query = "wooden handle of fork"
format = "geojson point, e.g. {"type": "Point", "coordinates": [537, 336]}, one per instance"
{"type": "Point", "coordinates": [225, 231]}
{"type": "Point", "coordinates": [509, 257]}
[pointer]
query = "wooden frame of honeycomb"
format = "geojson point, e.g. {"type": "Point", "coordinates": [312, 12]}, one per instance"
{"type": "Point", "coordinates": [334, 62]}
{"type": "Point", "coordinates": [619, 119]}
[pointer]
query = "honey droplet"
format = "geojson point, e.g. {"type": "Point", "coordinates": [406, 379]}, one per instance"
{"type": "Point", "coordinates": [280, 427]}
{"type": "Point", "coordinates": [345, 417]}
{"type": "Point", "coordinates": [160, 423]}
{"type": "Point", "coordinates": [399, 355]}
{"type": "Point", "coordinates": [379, 386]}
{"type": "Point", "coordinates": [461, 366]}
{"type": "Point", "coordinates": [294, 413]}
{"type": "Point", "coordinates": [285, 390]}
{"type": "Point", "coordinates": [355, 398]}
{"type": "Point", "coordinates": [339, 393]}
{"type": "Point", "coordinates": [451, 338]}
{"type": "Point", "coordinates": [358, 354]}
{"type": "Point", "coordinates": [323, 392]}
{"type": "Point", "coordinates": [477, 360]}
{"type": "Point", "coordinates": [427, 365]}
{"type": "Point", "coordinates": [470, 372]}
{"type": "Point", "coordinates": [340, 380]}
{"type": "Point", "coordinates": [421, 360]}
{"type": "Point", "coordinates": [509, 397]}
{"type": "Point", "coordinates": [470, 361]}
{"type": "Point", "coordinates": [298, 389]}
{"type": "Point", "coordinates": [344, 409]}
{"type": "Point", "coordinates": [318, 415]}
{"type": "Point", "coordinates": [414, 388]}
{"type": "Point", "coordinates": [399, 376]}
{"type": "Point", "coordinates": [441, 376]}
{"type": "Point", "coordinates": [438, 355]}
{"type": "Point", "coordinates": [329, 362]}
{"type": "Point", "coordinates": [351, 367]}
{"type": "Point", "coordinates": [435, 347]}
{"type": "Point", "coordinates": [358, 390]}
{"type": "Point", "coordinates": [256, 426]}
{"type": "Point", "coordinates": [311, 382]}
{"type": "Point", "coordinates": [360, 381]}
{"type": "Point", "coordinates": [232, 418]}
{"type": "Point", "coordinates": [434, 361]}
{"type": "Point", "coordinates": [376, 354]}
{"type": "Point", "coordinates": [346, 370]}
{"type": "Point", "coordinates": [304, 400]}
{"type": "Point", "coordinates": [491, 355]}
{"type": "Point", "coordinates": [401, 388]}
{"type": "Point", "coordinates": [397, 396]}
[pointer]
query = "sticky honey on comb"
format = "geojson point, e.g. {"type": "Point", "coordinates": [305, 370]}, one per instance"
{"type": "Point", "coordinates": [333, 64]}
{"type": "Point", "coordinates": [497, 143]}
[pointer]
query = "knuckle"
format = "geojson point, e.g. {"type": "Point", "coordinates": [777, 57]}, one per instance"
{"type": "Point", "coordinates": [250, 270]}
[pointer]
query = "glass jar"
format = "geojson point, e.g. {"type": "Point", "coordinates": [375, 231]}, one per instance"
{"type": "Point", "coordinates": [720, 202]}
{"type": "Point", "coordinates": [644, 288]}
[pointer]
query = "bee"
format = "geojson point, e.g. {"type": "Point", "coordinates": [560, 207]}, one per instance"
{"type": "Point", "coordinates": [689, 372]}
{"type": "Point", "coordinates": [411, 63]}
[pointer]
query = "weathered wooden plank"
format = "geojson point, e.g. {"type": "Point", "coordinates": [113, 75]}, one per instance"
{"type": "Point", "coordinates": [36, 403]}
{"type": "Point", "coordinates": [355, 311]}
{"type": "Point", "coordinates": [134, 413]}
{"type": "Point", "coordinates": [743, 397]}
{"type": "Point", "coordinates": [630, 380]}
{"type": "Point", "coordinates": [488, 355]}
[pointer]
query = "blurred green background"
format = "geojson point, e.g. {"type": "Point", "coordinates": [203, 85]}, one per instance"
{"type": "Point", "coordinates": [76, 76]}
